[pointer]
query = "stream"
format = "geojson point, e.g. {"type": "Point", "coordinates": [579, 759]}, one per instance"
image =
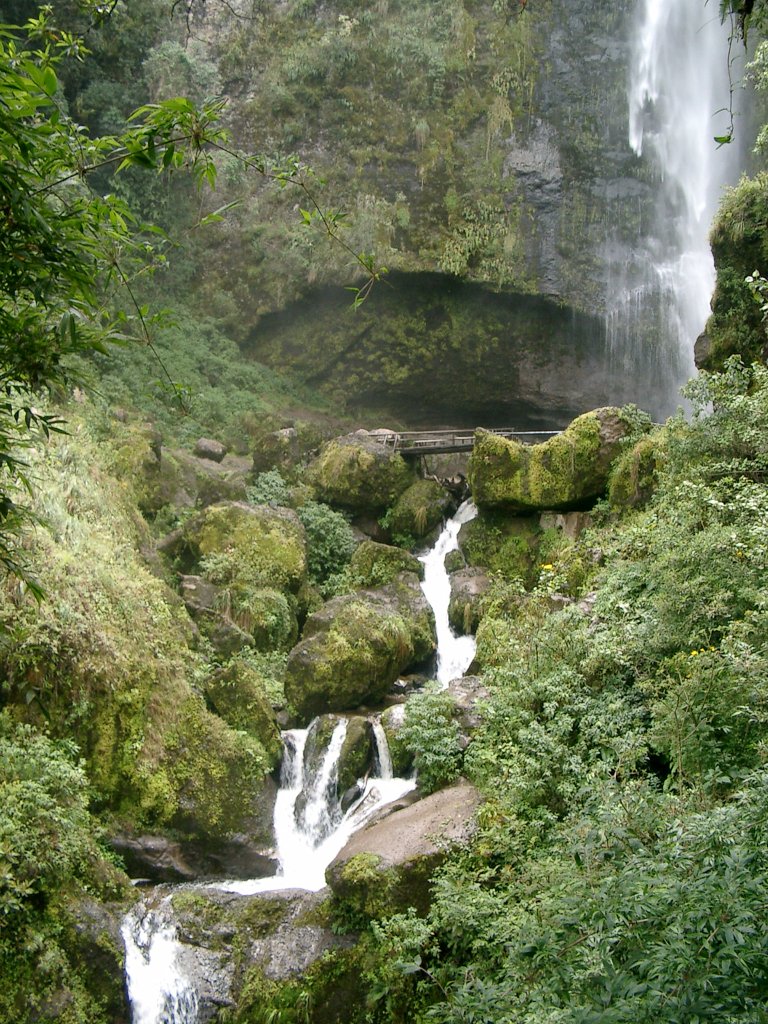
{"type": "Point", "coordinates": [306, 841]}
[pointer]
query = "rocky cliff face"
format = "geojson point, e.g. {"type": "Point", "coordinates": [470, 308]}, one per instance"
{"type": "Point", "coordinates": [467, 142]}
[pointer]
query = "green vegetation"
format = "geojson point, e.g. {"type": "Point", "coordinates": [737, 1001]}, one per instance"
{"type": "Point", "coordinates": [431, 734]}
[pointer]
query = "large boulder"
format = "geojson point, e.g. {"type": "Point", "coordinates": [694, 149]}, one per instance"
{"type": "Point", "coordinates": [388, 866]}
{"type": "Point", "coordinates": [569, 471]}
{"type": "Point", "coordinates": [359, 473]}
{"type": "Point", "coordinates": [251, 953]}
{"type": "Point", "coordinates": [249, 546]}
{"type": "Point", "coordinates": [185, 480]}
{"type": "Point", "coordinates": [375, 564]}
{"type": "Point", "coordinates": [356, 645]}
{"type": "Point", "coordinates": [419, 510]}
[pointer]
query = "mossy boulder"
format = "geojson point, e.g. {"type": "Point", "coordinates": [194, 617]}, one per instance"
{"type": "Point", "coordinates": [569, 471]}
{"type": "Point", "coordinates": [388, 866]}
{"type": "Point", "coordinates": [249, 546]}
{"type": "Point", "coordinates": [274, 949]}
{"type": "Point", "coordinates": [739, 241]}
{"type": "Point", "coordinates": [635, 472]}
{"type": "Point", "coordinates": [375, 564]}
{"type": "Point", "coordinates": [238, 694]}
{"type": "Point", "coordinates": [503, 543]}
{"type": "Point", "coordinates": [237, 616]}
{"type": "Point", "coordinates": [356, 645]}
{"type": "Point", "coordinates": [465, 609]}
{"type": "Point", "coordinates": [180, 479]}
{"type": "Point", "coordinates": [419, 510]}
{"type": "Point", "coordinates": [356, 758]}
{"type": "Point", "coordinates": [358, 473]}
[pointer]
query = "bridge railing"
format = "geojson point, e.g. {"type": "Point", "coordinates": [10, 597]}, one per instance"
{"type": "Point", "coordinates": [430, 440]}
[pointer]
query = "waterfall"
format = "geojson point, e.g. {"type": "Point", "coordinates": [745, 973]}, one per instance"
{"type": "Point", "coordinates": [159, 992]}
{"type": "Point", "coordinates": [383, 759]}
{"type": "Point", "coordinates": [678, 87]}
{"type": "Point", "coordinates": [310, 828]}
{"type": "Point", "coordinates": [454, 653]}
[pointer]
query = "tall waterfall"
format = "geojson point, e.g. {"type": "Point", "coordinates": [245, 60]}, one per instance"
{"type": "Point", "coordinates": [679, 93]}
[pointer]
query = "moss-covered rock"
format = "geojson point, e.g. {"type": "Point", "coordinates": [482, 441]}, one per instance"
{"type": "Point", "coordinates": [356, 645]}
{"type": "Point", "coordinates": [503, 543]}
{"type": "Point", "coordinates": [739, 240]}
{"type": "Point", "coordinates": [419, 509]}
{"type": "Point", "coordinates": [634, 474]}
{"type": "Point", "coordinates": [569, 471]}
{"type": "Point", "coordinates": [392, 719]}
{"type": "Point", "coordinates": [238, 695]}
{"type": "Point", "coordinates": [356, 758]}
{"type": "Point", "coordinates": [358, 473]}
{"type": "Point", "coordinates": [109, 661]}
{"type": "Point", "coordinates": [248, 548]}
{"type": "Point", "coordinates": [373, 565]}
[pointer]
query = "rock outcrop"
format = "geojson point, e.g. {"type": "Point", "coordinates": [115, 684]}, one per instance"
{"type": "Point", "coordinates": [358, 473]}
{"type": "Point", "coordinates": [388, 865]}
{"type": "Point", "coordinates": [375, 564]}
{"type": "Point", "coordinates": [468, 587]}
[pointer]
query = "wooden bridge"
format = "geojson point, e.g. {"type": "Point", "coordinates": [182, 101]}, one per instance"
{"type": "Point", "coordinates": [439, 442]}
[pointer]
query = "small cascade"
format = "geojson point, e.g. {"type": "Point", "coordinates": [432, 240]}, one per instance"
{"type": "Point", "coordinates": [660, 289]}
{"type": "Point", "coordinates": [383, 763]}
{"type": "Point", "coordinates": [454, 653]}
{"type": "Point", "coordinates": [158, 992]}
{"type": "Point", "coordinates": [320, 811]}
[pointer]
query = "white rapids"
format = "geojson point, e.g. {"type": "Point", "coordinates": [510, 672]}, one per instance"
{"type": "Point", "coordinates": [454, 653]}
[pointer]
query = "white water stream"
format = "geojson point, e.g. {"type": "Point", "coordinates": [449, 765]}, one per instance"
{"type": "Point", "coordinates": [310, 827]}
{"type": "Point", "coordinates": [678, 96]}
{"type": "Point", "coordinates": [454, 653]}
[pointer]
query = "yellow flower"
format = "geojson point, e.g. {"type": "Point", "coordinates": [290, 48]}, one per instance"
{"type": "Point", "coordinates": [548, 565]}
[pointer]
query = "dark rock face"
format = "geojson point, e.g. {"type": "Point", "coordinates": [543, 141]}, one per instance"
{"type": "Point", "coordinates": [523, 361]}
{"type": "Point", "coordinates": [160, 859]}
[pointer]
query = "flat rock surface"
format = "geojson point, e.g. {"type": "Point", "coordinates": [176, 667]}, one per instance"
{"type": "Point", "coordinates": [421, 830]}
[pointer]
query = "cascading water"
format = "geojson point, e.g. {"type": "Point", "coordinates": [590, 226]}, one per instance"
{"type": "Point", "coordinates": [310, 827]}
{"type": "Point", "coordinates": [159, 992]}
{"type": "Point", "coordinates": [678, 88]}
{"type": "Point", "coordinates": [454, 653]}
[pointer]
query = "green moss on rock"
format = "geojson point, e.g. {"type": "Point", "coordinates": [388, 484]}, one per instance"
{"type": "Point", "coordinates": [634, 474]}
{"type": "Point", "coordinates": [249, 546]}
{"type": "Point", "coordinates": [356, 645]}
{"type": "Point", "coordinates": [419, 509]}
{"type": "Point", "coordinates": [238, 695]}
{"type": "Point", "coordinates": [569, 471]}
{"type": "Point", "coordinates": [358, 473]}
{"type": "Point", "coordinates": [373, 564]}
{"type": "Point", "coordinates": [739, 240]}
{"type": "Point", "coordinates": [503, 543]}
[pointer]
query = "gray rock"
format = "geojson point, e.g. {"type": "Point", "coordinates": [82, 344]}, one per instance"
{"type": "Point", "coordinates": [208, 448]}
{"type": "Point", "coordinates": [388, 865]}
{"type": "Point", "coordinates": [468, 587]}
{"type": "Point", "coordinates": [160, 859]}
{"type": "Point", "coordinates": [467, 694]}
